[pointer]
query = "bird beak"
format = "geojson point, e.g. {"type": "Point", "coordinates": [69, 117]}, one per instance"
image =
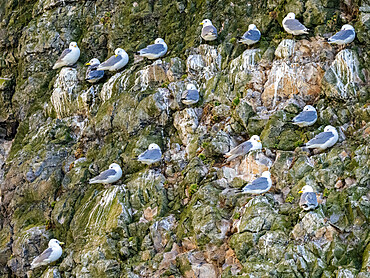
{"type": "Point", "coordinates": [116, 55]}
{"type": "Point", "coordinates": [259, 141]}
{"type": "Point", "coordinates": [300, 191]}
{"type": "Point", "coordinates": [87, 64]}
{"type": "Point", "coordinates": [201, 23]}
{"type": "Point", "coordinates": [61, 243]}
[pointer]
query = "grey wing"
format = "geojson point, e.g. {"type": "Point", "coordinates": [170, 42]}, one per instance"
{"type": "Point", "coordinates": [252, 35]}
{"type": "Point", "coordinates": [190, 94]}
{"type": "Point", "coordinates": [320, 138]}
{"type": "Point", "coordinates": [95, 74]}
{"type": "Point", "coordinates": [294, 24]}
{"type": "Point", "coordinates": [105, 175]}
{"type": "Point", "coordinates": [44, 256]}
{"type": "Point", "coordinates": [308, 199]}
{"type": "Point", "coordinates": [150, 155]}
{"type": "Point", "coordinates": [153, 49]}
{"type": "Point", "coordinates": [305, 116]}
{"type": "Point", "coordinates": [342, 35]}
{"type": "Point", "coordinates": [209, 29]}
{"type": "Point", "coordinates": [64, 53]}
{"type": "Point", "coordinates": [243, 148]}
{"type": "Point", "coordinates": [258, 184]}
{"type": "Point", "coordinates": [111, 61]}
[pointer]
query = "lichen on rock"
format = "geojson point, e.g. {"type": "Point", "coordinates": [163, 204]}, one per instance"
{"type": "Point", "coordinates": [184, 216]}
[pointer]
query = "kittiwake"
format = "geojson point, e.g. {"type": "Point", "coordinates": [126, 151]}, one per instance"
{"type": "Point", "coordinates": [51, 254]}
{"type": "Point", "coordinates": [259, 185]}
{"type": "Point", "coordinates": [115, 62]}
{"type": "Point", "coordinates": [252, 144]}
{"type": "Point", "coordinates": [190, 95]}
{"type": "Point", "coordinates": [307, 117]}
{"type": "Point", "coordinates": [92, 74]}
{"type": "Point", "coordinates": [308, 198]}
{"type": "Point", "coordinates": [154, 51]}
{"type": "Point", "coordinates": [346, 35]}
{"type": "Point", "coordinates": [324, 139]}
{"type": "Point", "coordinates": [209, 32]}
{"type": "Point", "coordinates": [293, 26]}
{"type": "Point", "coordinates": [252, 36]}
{"type": "Point", "coordinates": [151, 155]}
{"type": "Point", "coordinates": [68, 57]}
{"type": "Point", "coordinates": [113, 174]}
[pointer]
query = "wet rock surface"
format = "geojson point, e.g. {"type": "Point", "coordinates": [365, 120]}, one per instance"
{"type": "Point", "coordinates": [185, 216]}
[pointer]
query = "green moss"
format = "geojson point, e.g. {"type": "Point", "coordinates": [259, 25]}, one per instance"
{"type": "Point", "coordinates": [205, 144]}
{"type": "Point", "coordinates": [289, 199]}
{"type": "Point", "coordinates": [192, 189]}
{"type": "Point", "coordinates": [17, 145]}
{"type": "Point", "coordinates": [236, 101]}
{"type": "Point", "coordinates": [202, 157]}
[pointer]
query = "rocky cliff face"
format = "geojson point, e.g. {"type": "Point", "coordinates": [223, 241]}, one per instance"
{"type": "Point", "coordinates": [184, 217]}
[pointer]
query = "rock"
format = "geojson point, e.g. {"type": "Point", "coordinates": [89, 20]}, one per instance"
{"type": "Point", "coordinates": [342, 79]}
{"type": "Point", "coordinates": [176, 70]}
{"type": "Point", "coordinates": [205, 64]}
{"type": "Point", "coordinates": [243, 112]}
{"type": "Point", "coordinates": [64, 94]}
{"type": "Point", "coordinates": [186, 122]}
{"type": "Point", "coordinates": [311, 225]}
{"type": "Point", "coordinates": [185, 215]}
{"type": "Point", "coordinates": [152, 75]}
{"type": "Point", "coordinates": [285, 49]}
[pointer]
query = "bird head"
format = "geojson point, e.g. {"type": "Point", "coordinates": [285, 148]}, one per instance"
{"type": "Point", "coordinates": [159, 40]}
{"type": "Point", "coordinates": [114, 166]}
{"type": "Point", "coordinates": [290, 16]}
{"type": "Point", "coordinates": [306, 188]}
{"type": "Point", "coordinates": [256, 138]}
{"type": "Point", "coordinates": [252, 27]}
{"type": "Point", "coordinates": [191, 86]}
{"type": "Point", "coordinates": [73, 45]}
{"type": "Point", "coordinates": [93, 62]}
{"type": "Point", "coordinates": [309, 108]}
{"type": "Point", "coordinates": [154, 146]}
{"type": "Point", "coordinates": [206, 22]}
{"type": "Point", "coordinates": [347, 27]}
{"type": "Point", "coordinates": [119, 51]}
{"type": "Point", "coordinates": [266, 174]}
{"type": "Point", "coordinates": [54, 242]}
{"type": "Point", "coordinates": [329, 128]}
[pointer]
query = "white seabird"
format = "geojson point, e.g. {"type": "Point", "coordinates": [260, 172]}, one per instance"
{"type": "Point", "coordinates": [259, 185]}
{"type": "Point", "coordinates": [209, 32]}
{"type": "Point", "coordinates": [293, 26]}
{"type": "Point", "coordinates": [154, 51]}
{"type": "Point", "coordinates": [308, 198]}
{"type": "Point", "coordinates": [252, 144]}
{"type": "Point", "coordinates": [115, 62]}
{"type": "Point", "coordinates": [252, 36]}
{"type": "Point", "coordinates": [324, 139]}
{"type": "Point", "coordinates": [307, 117]}
{"type": "Point", "coordinates": [190, 95]}
{"type": "Point", "coordinates": [346, 35]}
{"type": "Point", "coordinates": [68, 57]}
{"type": "Point", "coordinates": [51, 254]}
{"type": "Point", "coordinates": [151, 155]}
{"type": "Point", "coordinates": [113, 174]}
{"type": "Point", "coordinates": [92, 74]}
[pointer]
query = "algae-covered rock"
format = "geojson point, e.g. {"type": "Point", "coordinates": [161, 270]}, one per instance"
{"type": "Point", "coordinates": [342, 79]}
{"type": "Point", "coordinates": [184, 216]}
